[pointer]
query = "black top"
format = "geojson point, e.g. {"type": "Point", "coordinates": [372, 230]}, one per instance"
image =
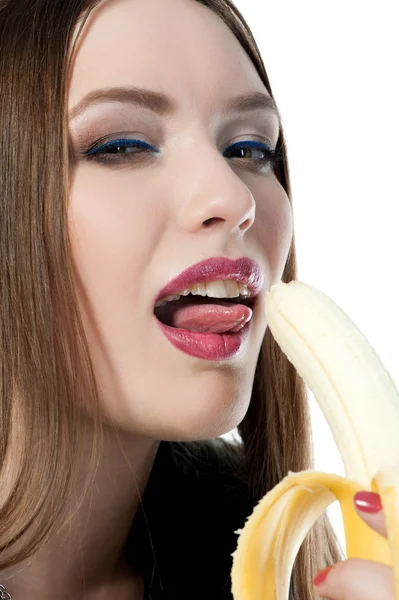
{"type": "Point", "coordinates": [182, 541]}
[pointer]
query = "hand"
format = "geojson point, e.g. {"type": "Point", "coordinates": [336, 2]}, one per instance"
{"type": "Point", "coordinates": [356, 579]}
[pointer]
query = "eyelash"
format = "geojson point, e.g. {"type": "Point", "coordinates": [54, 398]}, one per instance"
{"type": "Point", "coordinates": [271, 157]}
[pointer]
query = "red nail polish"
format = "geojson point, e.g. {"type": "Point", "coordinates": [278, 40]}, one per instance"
{"type": "Point", "coordinates": [368, 502]}
{"type": "Point", "coordinates": [321, 577]}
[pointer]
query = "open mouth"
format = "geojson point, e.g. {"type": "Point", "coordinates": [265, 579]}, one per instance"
{"type": "Point", "coordinates": [206, 314]}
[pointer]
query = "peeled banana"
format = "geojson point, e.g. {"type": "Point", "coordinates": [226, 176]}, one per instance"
{"type": "Point", "coordinates": [360, 402]}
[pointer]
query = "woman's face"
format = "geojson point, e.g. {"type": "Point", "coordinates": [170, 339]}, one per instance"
{"type": "Point", "coordinates": [140, 215]}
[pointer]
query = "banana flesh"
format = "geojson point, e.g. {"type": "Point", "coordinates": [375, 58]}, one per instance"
{"type": "Point", "coordinates": [360, 402]}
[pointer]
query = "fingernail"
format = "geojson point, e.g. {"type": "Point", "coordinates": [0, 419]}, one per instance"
{"type": "Point", "coordinates": [368, 502]}
{"type": "Point", "coordinates": [321, 577]}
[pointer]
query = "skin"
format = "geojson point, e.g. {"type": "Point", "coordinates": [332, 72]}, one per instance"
{"type": "Point", "coordinates": [133, 227]}
{"type": "Point", "coordinates": [356, 579]}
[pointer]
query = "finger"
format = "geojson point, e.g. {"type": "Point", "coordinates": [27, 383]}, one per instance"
{"type": "Point", "coordinates": [356, 579]}
{"type": "Point", "coordinates": [369, 508]}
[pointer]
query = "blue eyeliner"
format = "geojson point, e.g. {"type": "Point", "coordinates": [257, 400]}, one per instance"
{"type": "Point", "coordinates": [116, 143]}
{"type": "Point", "coordinates": [109, 153]}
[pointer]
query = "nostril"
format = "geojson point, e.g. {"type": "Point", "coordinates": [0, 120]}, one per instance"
{"type": "Point", "coordinates": [245, 225]}
{"type": "Point", "coordinates": [212, 220]}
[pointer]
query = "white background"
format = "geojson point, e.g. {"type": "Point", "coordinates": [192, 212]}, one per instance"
{"type": "Point", "coordinates": [333, 69]}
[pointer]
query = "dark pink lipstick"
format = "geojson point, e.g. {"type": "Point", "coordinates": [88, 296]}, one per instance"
{"type": "Point", "coordinates": [243, 270]}
{"type": "Point", "coordinates": [212, 346]}
{"type": "Point", "coordinates": [209, 346]}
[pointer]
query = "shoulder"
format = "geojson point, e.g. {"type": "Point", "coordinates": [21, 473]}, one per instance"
{"type": "Point", "coordinates": [195, 501]}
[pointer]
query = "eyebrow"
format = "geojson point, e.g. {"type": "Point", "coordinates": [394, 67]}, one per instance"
{"type": "Point", "coordinates": [164, 106]}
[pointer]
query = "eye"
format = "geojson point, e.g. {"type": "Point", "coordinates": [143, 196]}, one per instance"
{"type": "Point", "coordinates": [245, 150]}
{"type": "Point", "coordinates": [120, 150]}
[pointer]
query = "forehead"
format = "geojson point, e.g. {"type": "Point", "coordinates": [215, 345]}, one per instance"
{"type": "Point", "coordinates": [178, 47]}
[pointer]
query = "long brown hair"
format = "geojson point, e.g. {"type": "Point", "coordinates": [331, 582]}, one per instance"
{"type": "Point", "coordinates": [46, 371]}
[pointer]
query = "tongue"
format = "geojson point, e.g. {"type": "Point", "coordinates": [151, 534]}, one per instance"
{"type": "Point", "coordinates": [223, 317]}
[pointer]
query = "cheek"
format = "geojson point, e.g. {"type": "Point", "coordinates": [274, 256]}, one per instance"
{"type": "Point", "coordinates": [274, 227]}
{"type": "Point", "coordinates": [113, 234]}
{"type": "Point", "coordinates": [113, 230]}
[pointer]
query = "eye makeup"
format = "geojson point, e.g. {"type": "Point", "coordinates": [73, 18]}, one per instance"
{"type": "Point", "coordinates": [111, 153]}
{"type": "Point", "coordinates": [102, 141]}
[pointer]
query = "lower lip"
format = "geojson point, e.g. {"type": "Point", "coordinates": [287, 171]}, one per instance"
{"type": "Point", "coordinates": [210, 346]}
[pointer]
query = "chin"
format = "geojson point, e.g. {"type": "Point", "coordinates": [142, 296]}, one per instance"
{"type": "Point", "coordinates": [182, 405]}
{"type": "Point", "coordinates": [204, 414]}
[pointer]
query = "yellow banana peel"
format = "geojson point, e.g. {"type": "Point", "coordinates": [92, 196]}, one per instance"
{"type": "Point", "coordinates": [361, 405]}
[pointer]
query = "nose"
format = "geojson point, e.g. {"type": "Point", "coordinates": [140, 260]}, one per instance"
{"type": "Point", "coordinates": [213, 195]}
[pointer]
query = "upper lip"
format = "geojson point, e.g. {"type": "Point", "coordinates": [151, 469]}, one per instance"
{"type": "Point", "coordinates": [244, 270]}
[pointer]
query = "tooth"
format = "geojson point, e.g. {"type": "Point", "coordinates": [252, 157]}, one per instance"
{"type": "Point", "coordinates": [185, 292]}
{"type": "Point", "coordinates": [215, 289]}
{"type": "Point", "coordinates": [170, 298]}
{"type": "Point", "coordinates": [360, 402]}
{"type": "Point", "coordinates": [198, 289]}
{"type": "Point", "coordinates": [202, 289]}
{"type": "Point", "coordinates": [244, 291]}
{"type": "Point", "coordinates": [160, 303]}
{"type": "Point", "coordinates": [232, 289]}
